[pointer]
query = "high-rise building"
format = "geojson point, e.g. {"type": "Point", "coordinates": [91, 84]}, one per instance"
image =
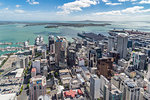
{"type": "Point", "coordinates": [71, 58]}
{"type": "Point", "coordinates": [36, 64]}
{"type": "Point", "coordinates": [122, 42]}
{"type": "Point", "coordinates": [139, 60]}
{"type": "Point", "coordinates": [37, 87]}
{"type": "Point", "coordinates": [112, 93]}
{"type": "Point", "coordinates": [129, 88]}
{"type": "Point", "coordinates": [44, 54]}
{"type": "Point", "coordinates": [51, 44]}
{"type": "Point", "coordinates": [92, 57]}
{"type": "Point", "coordinates": [60, 44]}
{"type": "Point", "coordinates": [33, 72]}
{"type": "Point", "coordinates": [115, 55]}
{"type": "Point", "coordinates": [111, 43]}
{"type": "Point", "coordinates": [105, 67]}
{"type": "Point", "coordinates": [94, 87]}
{"type": "Point", "coordinates": [98, 52]}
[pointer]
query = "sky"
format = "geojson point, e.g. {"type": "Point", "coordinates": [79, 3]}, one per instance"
{"type": "Point", "coordinates": [74, 10]}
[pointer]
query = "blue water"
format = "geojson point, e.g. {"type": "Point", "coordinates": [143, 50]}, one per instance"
{"type": "Point", "coordinates": [18, 33]}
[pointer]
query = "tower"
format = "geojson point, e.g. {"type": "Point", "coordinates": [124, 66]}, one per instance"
{"type": "Point", "coordinates": [51, 44]}
{"type": "Point", "coordinates": [122, 41]}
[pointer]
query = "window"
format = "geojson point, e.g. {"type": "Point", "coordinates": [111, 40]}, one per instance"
{"type": "Point", "coordinates": [34, 87]}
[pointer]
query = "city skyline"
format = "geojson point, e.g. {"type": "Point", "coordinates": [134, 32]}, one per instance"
{"type": "Point", "coordinates": [71, 10]}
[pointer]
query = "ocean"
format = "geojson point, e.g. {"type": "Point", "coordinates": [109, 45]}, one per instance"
{"type": "Point", "coordinates": [18, 33]}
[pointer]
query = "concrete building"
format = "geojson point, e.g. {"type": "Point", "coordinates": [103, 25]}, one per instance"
{"type": "Point", "coordinates": [37, 87]}
{"type": "Point", "coordinates": [112, 93]}
{"type": "Point", "coordinates": [139, 60]}
{"type": "Point", "coordinates": [44, 54]}
{"type": "Point", "coordinates": [92, 58]}
{"type": "Point", "coordinates": [45, 71]}
{"type": "Point", "coordinates": [36, 64]}
{"type": "Point", "coordinates": [60, 44]}
{"type": "Point", "coordinates": [98, 52]}
{"type": "Point", "coordinates": [22, 62]}
{"type": "Point", "coordinates": [123, 63]}
{"type": "Point", "coordinates": [51, 44]}
{"type": "Point", "coordinates": [94, 87]}
{"type": "Point", "coordinates": [111, 43]}
{"type": "Point", "coordinates": [104, 67]}
{"type": "Point", "coordinates": [104, 81]}
{"type": "Point", "coordinates": [115, 55]}
{"type": "Point", "coordinates": [71, 58]}
{"type": "Point", "coordinates": [129, 88]}
{"type": "Point", "coordinates": [33, 72]}
{"type": "Point", "coordinates": [122, 41]}
{"type": "Point", "coordinates": [10, 96]}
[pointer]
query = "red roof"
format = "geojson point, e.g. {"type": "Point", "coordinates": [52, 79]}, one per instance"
{"type": "Point", "coordinates": [70, 93]}
{"type": "Point", "coordinates": [33, 70]}
{"type": "Point", "coordinates": [80, 92]}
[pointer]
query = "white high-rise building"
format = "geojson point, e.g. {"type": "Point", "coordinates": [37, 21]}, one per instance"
{"type": "Point", "coordinates": [122, 41]}
{"type": "Point", "coordinates": [111, 43]}
{"type": "Point", "coordinates": [94, 87]}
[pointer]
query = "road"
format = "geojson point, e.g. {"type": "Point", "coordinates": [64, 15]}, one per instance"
{"type": "Point", "coordinates": [25, 93]}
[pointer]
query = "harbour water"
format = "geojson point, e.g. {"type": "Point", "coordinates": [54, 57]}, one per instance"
{"type": "Point", "coordinates": [18, 33]}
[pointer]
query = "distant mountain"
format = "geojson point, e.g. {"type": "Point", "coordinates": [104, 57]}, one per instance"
{"type": "Point", "coordinates": [93, 21]}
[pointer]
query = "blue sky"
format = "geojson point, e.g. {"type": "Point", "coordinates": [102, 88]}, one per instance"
{"type": "Point", "coordinates": [67, 10]}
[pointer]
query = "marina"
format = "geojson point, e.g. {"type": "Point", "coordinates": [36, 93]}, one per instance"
{"type": "Point", "coordinates": [6, 43]}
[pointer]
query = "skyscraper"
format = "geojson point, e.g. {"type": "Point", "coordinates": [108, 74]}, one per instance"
{"type": "Point", "coordinates": [51, 44]}
{"type": "Point", "coordinates": [111, 43]}
{"type": "Point", "coordinates": [94, 87]}
{"type": "Point", "coordinates": [104, 67]}
{"type": "Point", "coordinates": [61, 44]}
{"type": "Point", "coordinates": [122, 41]}
{"type": "Point", "coordinates": [37, 87]}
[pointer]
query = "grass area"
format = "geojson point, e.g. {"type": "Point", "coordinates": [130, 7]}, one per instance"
{"type": "Point", "coordinates": [28, 85]}
{"type": "Point", "coordinates": [37, 54]}
{"type": "Point", "coordinates": [21, 89]}
{"type": "Point", "coordinates": [48, 92]}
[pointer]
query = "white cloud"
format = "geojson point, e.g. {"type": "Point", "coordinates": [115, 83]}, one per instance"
{"type": "Point", "coordinates": [19, 11]}
{"type": "Point", "coordinates": [116, 12]}
{"type": "Point", "coordinates": [6, 8]}
{"type": "Point", "coordinates": [113, 4]}
{"type": "Point", "coordinates": [107, 2]}
{"type": "Point", "coordinates": [17, 6]}
{"type": "Point", "coordinates": [123, 0]}
{"type": "Point", "coordinates": [130, 10]}
{"type": "Point", "coordinates": [127, 0]}
{"type": "Point", "coordinates": [134, 9]}
{"type": "Point", "coordinates": [77, 5]}
{"type": "Point", "coordinates": [47, 16]}
{"type": "Point", "coordinates": [145, 2]}
{"type": "Point", "coordinates": [32, 2]}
